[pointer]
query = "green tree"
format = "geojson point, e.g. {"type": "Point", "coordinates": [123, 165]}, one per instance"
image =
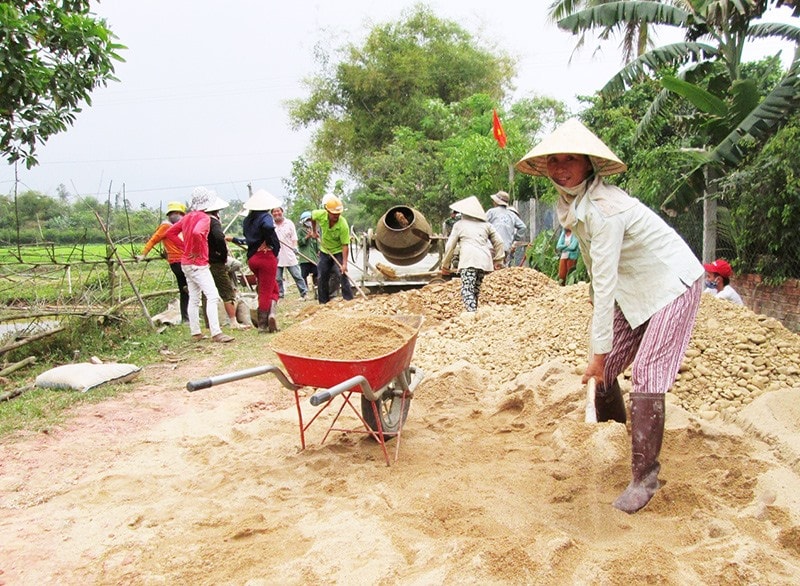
{"type": "Point", "coordinates": [387, 82]}
{"type": "Point", "coordinates": [764, 200]}
{"type": "Point", "coordinates": [52, 55]}
{"type": "Point", "coordinates": [455, 155]}
{"type": "Point", "coordinates": [308, 182]}
{"type": "Point", "coordinates": [33, 206]}
{"type": "Point", "coordinates": [636, 37]}
{"type": "Point", "coordinates": [726, 113]}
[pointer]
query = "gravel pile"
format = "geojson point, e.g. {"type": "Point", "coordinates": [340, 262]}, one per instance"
{"type": "Point", "coordinates": [524, 319]}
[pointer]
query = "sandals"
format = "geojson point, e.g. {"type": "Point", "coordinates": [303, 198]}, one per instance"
{"type": "Point", "coordinates": [223, 338]}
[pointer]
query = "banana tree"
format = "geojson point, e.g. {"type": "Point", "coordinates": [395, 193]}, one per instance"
{"type": "Point", "coordinates": [636, 37]}
{"type": "Point", "coordinates": [727, 110]}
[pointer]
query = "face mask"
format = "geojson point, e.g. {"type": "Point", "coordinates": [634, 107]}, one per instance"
{"type": "Point", "coordinates": [579, 189]}
{"type": "Point", "coordinates": [174, 217]}
{"type": "Point", "coordinates": [711, 284]}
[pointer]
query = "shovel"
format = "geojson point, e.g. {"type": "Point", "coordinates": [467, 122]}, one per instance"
{"type": "Point", "coordinates": [591, 413]}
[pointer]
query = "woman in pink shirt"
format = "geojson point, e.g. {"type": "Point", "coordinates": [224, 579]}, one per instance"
{"type": "Point", "coordinates": [194, 227]}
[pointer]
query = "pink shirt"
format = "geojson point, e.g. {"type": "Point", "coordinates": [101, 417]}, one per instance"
{"type": "Point", "coordinates": [287, 235]}
{"type": "Point", "coordinates": [195, 227]}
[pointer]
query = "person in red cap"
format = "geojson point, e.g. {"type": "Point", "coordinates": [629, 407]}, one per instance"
{"type": "Point", "coordinates": [718, 281]}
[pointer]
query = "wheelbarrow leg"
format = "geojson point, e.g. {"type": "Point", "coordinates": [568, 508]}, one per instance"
{"type": "Point", "coordinates": [379, 436]}
{"type": "Point", "coordinates": [300, 418]}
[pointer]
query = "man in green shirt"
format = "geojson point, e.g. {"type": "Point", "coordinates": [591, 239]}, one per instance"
{"type": "Point", "coordinates": [334, 247]}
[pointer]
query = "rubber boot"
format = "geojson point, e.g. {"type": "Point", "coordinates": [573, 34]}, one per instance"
{"type": "Point", "coordinates": [263, 321]}
{"type": "Point", "coordinates": [647, 433]}
{"type": "Point", "coordinates": [609, 404]}
{"type": "Point", "coordinates": [272, 317]}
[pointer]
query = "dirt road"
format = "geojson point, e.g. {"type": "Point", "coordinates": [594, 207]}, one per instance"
{"type": "Point", "coordinates": [499, 481]}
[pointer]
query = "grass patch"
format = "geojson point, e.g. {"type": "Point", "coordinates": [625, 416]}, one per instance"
{"type": "Point", "coordinates": [40, 409]}
{"type": "Point", "coordinates": [129, 340]}
{"type": "Point", "coordinates": [84, 283]}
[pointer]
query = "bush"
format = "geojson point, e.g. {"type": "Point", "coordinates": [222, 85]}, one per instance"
{"type": "Point", "coordinates": [764, 202]}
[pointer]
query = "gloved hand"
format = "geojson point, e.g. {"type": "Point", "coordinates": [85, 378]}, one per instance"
{"type": "Point", "coordinates": [139, 257]}
{"type": "Point", "coordinates": [239, 240]}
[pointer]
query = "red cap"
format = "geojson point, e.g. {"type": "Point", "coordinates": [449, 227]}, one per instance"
{"type": "Point", "coordinates": [720, 267]}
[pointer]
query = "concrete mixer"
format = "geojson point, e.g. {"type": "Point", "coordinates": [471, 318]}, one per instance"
{"type": "Point", "coordinates": [403, 237]}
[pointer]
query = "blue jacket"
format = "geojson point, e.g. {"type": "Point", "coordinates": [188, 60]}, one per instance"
{"type": "Point", "coordinates": [259, 228]}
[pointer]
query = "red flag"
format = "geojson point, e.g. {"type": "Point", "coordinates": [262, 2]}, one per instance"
{"type": "Point", "coordinates": [497, 129]}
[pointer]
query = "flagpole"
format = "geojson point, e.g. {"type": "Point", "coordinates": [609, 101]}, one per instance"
{"type": "Point", "coordinates": [501, 138]}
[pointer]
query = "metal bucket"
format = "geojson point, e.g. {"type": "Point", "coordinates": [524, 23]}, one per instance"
{"type": "Point", "coordinates": [403, 236]}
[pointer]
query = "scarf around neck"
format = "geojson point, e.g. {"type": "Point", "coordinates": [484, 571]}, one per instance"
{"type": "Point", "coordinates": [566, 198]}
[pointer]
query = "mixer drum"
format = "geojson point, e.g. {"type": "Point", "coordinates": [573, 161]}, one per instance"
{"type": "Point", "coordinates": [403, 236]}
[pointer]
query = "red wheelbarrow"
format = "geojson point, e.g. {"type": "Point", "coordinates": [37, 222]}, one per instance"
{"type": "Point", "coordinates": [385, 385]}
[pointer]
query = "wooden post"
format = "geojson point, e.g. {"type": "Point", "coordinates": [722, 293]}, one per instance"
{"type": "Point", "coordinates": [127, 275]}
{"type": "Point", "coordinates": [710, 217]}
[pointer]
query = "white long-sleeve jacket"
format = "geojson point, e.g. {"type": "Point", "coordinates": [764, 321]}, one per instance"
{"type": "Point", "coordinates": [634, 258]}
{"type": "Point", "coordinates": [479, 245]}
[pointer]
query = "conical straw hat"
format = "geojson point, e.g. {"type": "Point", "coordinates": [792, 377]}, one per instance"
{"type": "Point", "coordinates": [262, 200]}
{"type": "Point", "coordinates": [571, 137]}
{"type": "Point", "coordinates": [469, 206]}
{"type": "Point", "coordinates": [216, 204]}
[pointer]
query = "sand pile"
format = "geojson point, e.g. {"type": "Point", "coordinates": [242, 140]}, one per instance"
{"type": "Point", "coordinates": [442, 301]}
{"type": "Point", "coordinates": [524, 319]}
{"type": "Point", "coordinates": [499, 480]}
{"type": "Point", "coordinates": [350, 336]}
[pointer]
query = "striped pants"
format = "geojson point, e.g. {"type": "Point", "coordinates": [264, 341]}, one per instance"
{"type": "Point", "coordinates": [656, 348]}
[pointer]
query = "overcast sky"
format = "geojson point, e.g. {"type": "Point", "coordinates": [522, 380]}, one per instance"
{"type": "Point", "coordinates": [201, 97]}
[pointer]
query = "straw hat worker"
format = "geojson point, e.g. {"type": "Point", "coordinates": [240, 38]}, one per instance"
{"type": "Point", "coordinates": [480, 249]}
{"type": "Point", "coordinates": [506, 221]}
{"type": "Point", "coordinates": [645, 289]}
{"type": "Point", "coordinates": [263, 247]}
{"type": "Point", "coordinates": [191, 232]}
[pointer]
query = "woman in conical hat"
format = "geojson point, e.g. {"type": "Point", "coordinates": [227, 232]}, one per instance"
{"type": "Point", "coordinates": [480, 249]}
{"type": "Point", "coordinates": [263, 247]}
{"type": "Point", "coordinates": [646, 285]}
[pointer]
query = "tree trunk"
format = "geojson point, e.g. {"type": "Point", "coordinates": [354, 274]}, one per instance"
{"type": "Point", "coordinates": [710, 217]}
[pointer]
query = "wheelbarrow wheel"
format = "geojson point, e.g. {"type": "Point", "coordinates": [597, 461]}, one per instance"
{"type": "Point", "coordinates": [392, 411]}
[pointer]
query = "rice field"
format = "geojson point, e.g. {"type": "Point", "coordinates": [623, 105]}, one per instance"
{"type": "Point", "coordinates": [85, 274]}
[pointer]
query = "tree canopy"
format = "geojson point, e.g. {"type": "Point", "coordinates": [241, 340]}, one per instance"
{"type": "Point", "coordinates": [727, 112]}
{"type": "Point", "coordinates": [52, 55]}
{"type": "Point", "coordinates": [408, 116]}
{"type": "Point", "coordinates": [389, 81]}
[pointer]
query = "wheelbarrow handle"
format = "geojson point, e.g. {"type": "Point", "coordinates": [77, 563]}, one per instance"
{"type": "Point", "coordinates": [219, 379]}
{"type": "Point", "coordinates": [323, 396]}
{"type": "Point", "coordinates": [198, 385]}
{"type": "Point", "coordinates": [320, 397]}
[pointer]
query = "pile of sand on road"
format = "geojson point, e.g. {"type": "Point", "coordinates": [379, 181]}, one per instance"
{"type": "Point", "coordinates": [498, 481]}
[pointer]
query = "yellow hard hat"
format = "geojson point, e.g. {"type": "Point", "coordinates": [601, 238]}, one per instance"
{"type": "Point", "coordinates": [334, 205]}
{"type": "Point", "coordinates": [175, 206]}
